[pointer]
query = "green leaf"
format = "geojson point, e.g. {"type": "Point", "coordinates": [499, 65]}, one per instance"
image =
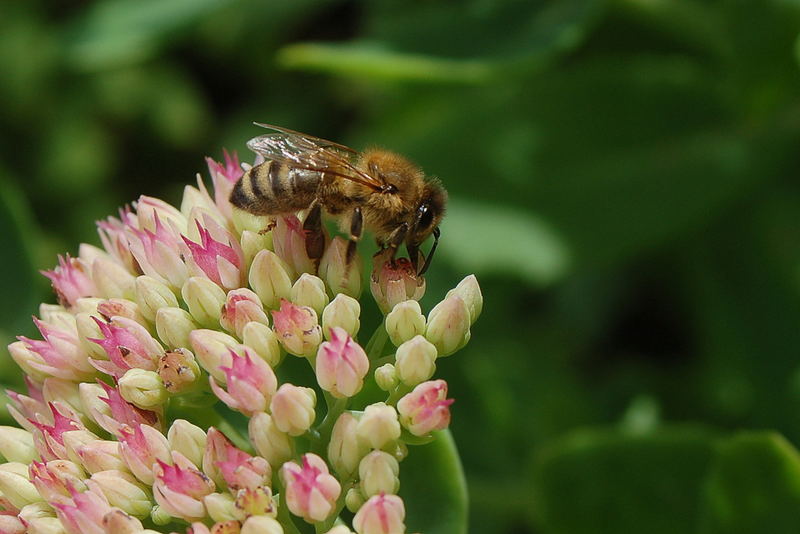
{"type": "Point", "coordinates": [433, 488]}
{"type": "Point", "coordinates": [603, 481]}
{"type": "Point", "coordinates": [754, 486]}
{"type": "Point", "coordinates": [484, 238]}
{"type": "Point", "coordinates": [374, 62]}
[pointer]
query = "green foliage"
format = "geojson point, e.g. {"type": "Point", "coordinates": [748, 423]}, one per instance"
{"type": "Point", "coordinates": [623, 177]}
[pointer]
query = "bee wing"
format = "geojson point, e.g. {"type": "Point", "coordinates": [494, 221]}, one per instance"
{"type": "Point", "coordinates": [311, 153]}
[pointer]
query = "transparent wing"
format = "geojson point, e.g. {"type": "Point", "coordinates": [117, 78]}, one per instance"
{"type": "Point", "coordinates": [300, 151]}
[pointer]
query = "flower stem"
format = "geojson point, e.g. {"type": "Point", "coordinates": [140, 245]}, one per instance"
{"type": "Point", "coordinates": [376, 343]}
{"type": "Point", "coordinates": [283, 515]}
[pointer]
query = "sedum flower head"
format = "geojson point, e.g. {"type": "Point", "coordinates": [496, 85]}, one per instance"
{"type": "Point", "coordinates": [185, 316]}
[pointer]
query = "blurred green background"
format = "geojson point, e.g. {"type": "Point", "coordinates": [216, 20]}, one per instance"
{"type": "Point", "coordinates": [623, 177]}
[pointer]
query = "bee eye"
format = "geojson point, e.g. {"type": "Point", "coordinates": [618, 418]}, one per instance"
{"type": "Point", "coordinates": [424, 217]}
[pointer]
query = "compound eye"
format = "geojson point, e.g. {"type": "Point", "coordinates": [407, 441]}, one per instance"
{"type": "Point", "coordinates": [425, 217]}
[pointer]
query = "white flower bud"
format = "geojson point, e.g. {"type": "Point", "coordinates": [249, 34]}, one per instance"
{"type": "Point", "coordinates": [378, 473]}
{"type": "Point", "coordinates": [261, 524]}
{"type": "Point", "coordinates": [405, 321]}
{"type": "Point", "coordinates": [16, 445]}
{"type": "Point", "coordinates": [174, 326]}
{"type": "Point", "coordinates": [378, 427]}
{"type": "Point", "coordinates": [309, 291]}
{"type": "Point", "coordinates": [415, 361]}
{"type": "Point", "coordinates": [469, 290]}
{"type": "Point", "coordinates": [448, 325]}
{"type": "Point", "coordinates": [353, 500]}
{"type": "Point", "coordinates": [254, 242]}
{"type": "Point", "coordinates": [142, 388]}
{"type": "Point", "coordinates": [205, 300]}
{"type": "Point", "coordinates": [272, 444]}
{"type": "Point", "coordinates": [342, 312]}
{"type": "Point", "coordinates": [152, 295]}
{"type": "Point", "coordinates": [261, 338]}
{"type": "Point", "coordinates": [345, 450]}
{"type": "Point", "coordinates": [292, 409]}
{"type": "Point", "coordinates": [112, 279]}
{"type": "Point", "coordinates": [15, 486]}
{"type": "Point", "coordinates": [386, 377]}
{"type": "Point", "coordinates": [269, 278]}
{"type": "Point", "coordinates": [123, 491]}
{"type": "Point", "coordinates": [187, 439]}
{"type": "Point", "coordinates": [221, 507]}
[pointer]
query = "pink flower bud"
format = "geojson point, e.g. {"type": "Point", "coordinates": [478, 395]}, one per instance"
{"type": "Point", "coordinates": [381, 514]}
{"type": "Point", "coordinates": [219, 259]}
{"type": "Point", "coordinates": [141, 447]}
{"type": "Point", "coordinates": [179, 489]}
{"type": "Point", "coordinates": [297, 329]}
{"type": "Point", "coordinates": [249, 383]}
{"type": "Point", "coordinates": [60, 354]}
{"type": "Point", "coordinates": [149, 208]}
{"type": "Point", "coordinates": [224, 177]}
{"type": "Point", "coordinates": [289, 241]}
{"type": "Point", "coordinates": [71, 280]}
{"type": "Point", "coordinates": [292, 409]}
{"type": "Point", "coordinates": [158, 251]}
{"type": "Point", "coordinates": [448, 325]}
{"type": "Point", "coordinates": [10, 524]}
{"type": "Point", "coordinates": [341, 364]}
{"type": "Point", "coordinates": [392, 284]}
{"type": "Point", "coordinates": [122, 412]}
{"type": "Point", "coordinates": [426, 408]}
{"type": "Point", "coordinates": [128, 346]}
{"type": "Point", "coordinates": [241, 307]}
{"type": "Point", "coordinates": [55, 479]}
{"type": "Point", "coordinates": [311, 491]}
{"type": "Point", "coordinates": [113, 235]}
{"type": "Point", "coordinates": [49, 439]}
{"type": "Point", "coordinates": [83, 513]}
{"type": "Point", "coordinates": [226, 464]}
{"type": "Point", "coordinates": [337, 274]}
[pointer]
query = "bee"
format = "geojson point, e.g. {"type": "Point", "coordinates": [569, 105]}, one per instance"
{"type": "Point", "coordinates": [376, 190]}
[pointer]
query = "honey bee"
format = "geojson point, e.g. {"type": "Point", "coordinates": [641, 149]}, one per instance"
{"type": "Point", "coordinates": [375, 189]}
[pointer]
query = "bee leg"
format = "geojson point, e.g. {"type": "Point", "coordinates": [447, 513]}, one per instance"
{"type": "Point", "coordinates": [356, 229]}
{"type": "Point", "coordinates": [315, 238]}
{"type": "Point", "coordinates": [413, 255]}
{"type": "Point", "coordinates": [395, 239]}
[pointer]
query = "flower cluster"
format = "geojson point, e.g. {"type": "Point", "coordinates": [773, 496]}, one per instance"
{"type": "Point", "coordinates": [188, 314]}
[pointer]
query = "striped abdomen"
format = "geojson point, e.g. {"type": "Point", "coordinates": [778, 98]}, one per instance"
{"type": "Point", "coordinates": [272, 188]}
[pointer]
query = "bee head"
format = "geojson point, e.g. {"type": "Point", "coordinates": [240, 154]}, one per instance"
{"type": "Point", "coordinates": [427, 216]}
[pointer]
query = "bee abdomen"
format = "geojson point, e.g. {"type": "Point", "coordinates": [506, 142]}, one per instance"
{"type": "Point", "coordinates": [272, 188]}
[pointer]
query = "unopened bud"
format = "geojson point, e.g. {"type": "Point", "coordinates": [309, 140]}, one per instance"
{"type": "Point", "coordinates": [311, 491]}
{"type": "Point", "coordinates": [378, 472]}
{"type": "Point", "coordinates": [16, 445]}
{"type": "Point", "coordinates": [292, 409]}
{"type": "Point", "coordinates": [345, 450]}
{"type": "Point", "coordinates": [342, 312]}
{"type": "Point", "coordinates": [187, 439]}
{"type": "Point", "coordinates": [269, 441]}
{"type": "Point", "coordinates": [204, 299]}
{"type": "Point", "coordinates": [120, 308]}
{"type": "Point", "coordinates": [341, 365]}
{"type": "Point", "coordinates": [27, 360]}
{"type": "Point", "coordinates": [242, 306]}
{"type": "Point", "coordinates": [448, 325]}
{"type": "Point", "coordinates": [297, 329]}
{"type": "Point", "coordinates": [152, 295]}
{"type": "Point", "coordinates": [262, 339]}
{"type": "Point", "coordinates": [45, 525]}
{"type": "Point", "coordinates": [338, 275]}
{"type": "Point", "coordinates": [381, 514]}
{"type": "Point", "coordinates": [118, 522]}
{"type": "Point", "coordinates": [405, 321]}
{"type": "Point", "coordinates": [174, 326]}
{"type": "Point", "coordinates": [261, 524]}
{"type": "Point", "coordinates": [378, 427]}
{"type": "Point", "coordinates": [99, 455]}
{"type": "Point", "coordinates": [469, 290]}
{"type": "Point", "coordinates": [142, 388]}
{"type": "Point", "coordinates": [415, 361]}
{"type": "Point", "coordinates": [221, 507]}
{"type": "Point", "coordinates": [179, 371]}
{"type": "Point", "coordinates": [395, 281]}
{"type": "Point", "coordinates": [353, 500]}
{"type": "Point", "coordinates": [269, 279]}
{"type": "Point", "coordinates": [112, 279]}
{"type": "Point", "coordinates": [123, 491]}
{"type": "Point", "coordinates": [309, 290]}
{"type": "Point", "coordinates": [386, 377]}
{"type": "Point", "coordinates": [15, 486]}
{"type": "Point", "coordinates": [426, 408]}
{"type": "Point", "coordinates": [213, 350]}
{"type": "Point", "coordinates": [254, 242]}
{"type": "Point", "coordinates": [11, 525]}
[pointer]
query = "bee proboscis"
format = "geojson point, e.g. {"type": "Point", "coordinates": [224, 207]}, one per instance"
{"type": "Point", "coordinates": [375, 189]}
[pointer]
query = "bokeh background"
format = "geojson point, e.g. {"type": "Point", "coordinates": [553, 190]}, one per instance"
{"type": "Point", "coordinates": [623, 176]}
